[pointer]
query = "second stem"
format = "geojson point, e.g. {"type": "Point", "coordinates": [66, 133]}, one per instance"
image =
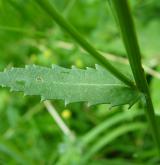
{"type": "Point", "coordinates": [126, 24]}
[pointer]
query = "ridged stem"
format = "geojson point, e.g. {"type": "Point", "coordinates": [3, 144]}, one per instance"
{"type": "Point", "coordinates": [126, 24]}
{"type": "Point", "coordinates": [59, 19]}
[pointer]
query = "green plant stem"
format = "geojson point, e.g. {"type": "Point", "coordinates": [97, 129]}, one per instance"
{"type": "Point", "coordinates": [58, 18]}
{"type": "Point", "coordinates": [125, 20]}
{"type": "Point", "coordinates": [112, 135]}
{"type": "Point", "coordinates": [108, 123]}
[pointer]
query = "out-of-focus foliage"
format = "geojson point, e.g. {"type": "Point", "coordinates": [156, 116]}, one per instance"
{"type": "Point", "coordinates": [28, 134]}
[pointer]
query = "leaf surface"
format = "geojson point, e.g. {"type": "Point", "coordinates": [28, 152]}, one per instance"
{"type": "Point", "coordinates": [94, 86]}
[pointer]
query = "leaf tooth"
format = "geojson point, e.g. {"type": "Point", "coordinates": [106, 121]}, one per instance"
{"type": "Point", "coordinates": [131, 103]}
{"type": "Point", "coordinates": [66, 102]}
{"type": "Point", "coordinates": [90, 69]}
{"type": "Point", "coordinates": [54, 66]}
{"type": "Point", "coordinates": [98, 67]}
{"type": "Point", "coordinates": [5, 70]}
{"type": "Point", "coordinates": [43, 98]}
{"type": "Point", "coordinates": [34, 65]}
{"type": "Point", "coordinates": [11, 90]}
{"type": "Point", "coordinates": [88, 104]}
{"type": "Point", "coordinates": [3, 86]}
{"type": "Point", "coordinates": [12, 68]}
{"type": "Point", "coordinates": [30, 66]}
{"type": "Point", "coordinates": [26, 66]}
{"type": "Point", "coordinates": [74, 67]}
{"type": "Point", "coordinates": [111, 106]}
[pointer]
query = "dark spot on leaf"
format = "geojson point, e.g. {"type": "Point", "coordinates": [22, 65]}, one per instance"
{"type": "Point", "coordinates": [39, 79]}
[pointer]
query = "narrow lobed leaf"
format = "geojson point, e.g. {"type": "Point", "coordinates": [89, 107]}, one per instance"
{"type": "Point", "coordinates": [95, 86]}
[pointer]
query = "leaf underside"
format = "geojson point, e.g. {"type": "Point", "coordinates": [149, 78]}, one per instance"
{"type": "Point", "coordinates": [94, 86]}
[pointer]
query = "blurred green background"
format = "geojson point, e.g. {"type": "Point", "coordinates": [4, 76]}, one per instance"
{"type": "Point", "coordinates": [28, 133]}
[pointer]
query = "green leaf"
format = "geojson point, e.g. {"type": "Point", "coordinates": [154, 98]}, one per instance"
{"type": "Point", "coordinates": [94, 86]}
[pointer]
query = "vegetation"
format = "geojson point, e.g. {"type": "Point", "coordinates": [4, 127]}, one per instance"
{"type": "Point", "coordinates": [79, 128]}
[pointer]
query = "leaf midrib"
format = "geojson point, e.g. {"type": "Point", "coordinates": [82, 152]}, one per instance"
{"type": "Point", "coordinates": [86, 84]}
